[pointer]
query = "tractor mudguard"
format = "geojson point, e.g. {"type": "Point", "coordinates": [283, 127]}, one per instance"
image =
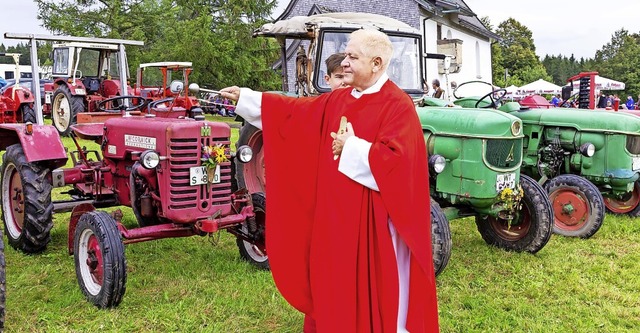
{"type": "Point", "coordinates": [43, 144]}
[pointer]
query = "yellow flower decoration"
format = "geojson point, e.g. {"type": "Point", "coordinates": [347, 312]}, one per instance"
{"type": "Point", "coordinates": [213, 155]}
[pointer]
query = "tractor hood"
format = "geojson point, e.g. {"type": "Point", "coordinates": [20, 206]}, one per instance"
{"type": "Point", "coordinates": [582, 120]}
{"type": "Point", "coordinates": [482, 123]}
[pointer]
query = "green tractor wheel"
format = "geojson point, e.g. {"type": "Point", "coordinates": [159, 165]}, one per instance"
{"type": "Point", "coordinates": [629, 204]}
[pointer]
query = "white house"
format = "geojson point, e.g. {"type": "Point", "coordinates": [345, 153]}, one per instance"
{"type": "Point", "coordinates": [448, 26]}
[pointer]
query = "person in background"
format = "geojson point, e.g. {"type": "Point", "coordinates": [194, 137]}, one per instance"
{"type": "Point", "coordinates": [437, 91]}
{"type": "Point", "coordinates": [349, 240]}
{"type": "Point", "coordinates": [630, 103]}
{"type": "Point", "coordinates": [555, 101]}
{"type": "Point", "coordinates": [602, 100]}
{"type": "Point", "coordinates": [335, 73]}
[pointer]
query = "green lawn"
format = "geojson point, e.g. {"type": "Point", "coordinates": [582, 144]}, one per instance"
{"type": "Point", "coordinates": [200, 284]}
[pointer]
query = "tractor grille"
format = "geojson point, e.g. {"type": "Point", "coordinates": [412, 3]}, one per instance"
{"type": "Point", "coordinates": [502, 153]}
{"type": "Point", "coordinates": [633, 144]}
{"type": "Point", "coordinates": [185, 153]}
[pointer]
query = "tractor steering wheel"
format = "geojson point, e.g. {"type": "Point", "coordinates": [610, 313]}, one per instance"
{"type": "Point", "coordinates": [114, 106]}
{"type": "Point", "coordinates": [154, 104]}
{"type": "Point", "coordinates": [500, 93]}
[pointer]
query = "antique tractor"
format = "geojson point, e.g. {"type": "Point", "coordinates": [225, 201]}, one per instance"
{"type": "Point", "coordinates": [16, 101]}
{"type": "Point", "coordinates": [475, 155]}
{"type": "Point", "coordinates": [579, 156]}
{"type": "Point", "coordinates": [85, 72]}
{"type": "Point", "coordinates": [177, 175]}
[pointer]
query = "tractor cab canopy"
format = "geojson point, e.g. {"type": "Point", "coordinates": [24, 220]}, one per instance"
{"type": "Point", "coordinates": [77, 60]}
{"type": "Point", "coordinates": [154, 79]}
{"type": "Point", "coordinates": [327, 34]}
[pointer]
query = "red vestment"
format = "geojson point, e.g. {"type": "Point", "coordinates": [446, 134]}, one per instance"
{"type": "Point", "coordinates": [328, 240]}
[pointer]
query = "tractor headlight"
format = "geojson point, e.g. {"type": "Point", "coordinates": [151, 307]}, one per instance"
{"type": "Point", "coordinates": [244, 154]}
{"type": "Point", "coordinates": [516, 127]}
{"type": "Point", "coordinates": [587, 149]}
{"type": "Point", "coordinates": [437, 163]}
{"type": "Point", "coordinates": [149, 159]}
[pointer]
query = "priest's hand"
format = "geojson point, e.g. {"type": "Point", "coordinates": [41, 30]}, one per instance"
{"type": "Point", "coordinates": [232, 93]}
{"type": "Point", "coordinates": [340, 139]}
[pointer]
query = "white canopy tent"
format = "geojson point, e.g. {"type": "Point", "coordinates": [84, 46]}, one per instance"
{"type": "Point", "coordinates": [512, 91]}
{"type": "Point", "coordinates": [540, 87]}
{"type": "Point", "coordinates": [603, 83]}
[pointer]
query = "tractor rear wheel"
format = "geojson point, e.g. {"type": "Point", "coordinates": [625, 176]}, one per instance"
{"type": "Point", "coordinates": [629, 205]}
{"type": "Point", "coordinates": [530, 230]}
{"type": "Point", "coordinates": [28, 114]}
{"type": "Point", "coordinates": [65, 109]}
{"type": "Point", "coordinates": [578, 206]}
{"type": "Point", "coordinates": [255, 252]}
{"type": "Point", "coordinates": [98, 252]}
{"type": "Point", "coordinates": [251, 175]}
{"type": "Point", "coordinates": [2, 284]}
{"type": "Point", "coordinates": [26, 202]}
{"type": "Point", "coordinates": [440, 238]}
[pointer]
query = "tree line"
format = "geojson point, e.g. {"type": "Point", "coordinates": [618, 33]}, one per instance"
{"type": "Point", "coordinates": [215, 35]}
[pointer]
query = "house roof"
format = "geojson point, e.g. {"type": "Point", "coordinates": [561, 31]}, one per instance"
{"type": "Point", "coordinates": [466, 17]}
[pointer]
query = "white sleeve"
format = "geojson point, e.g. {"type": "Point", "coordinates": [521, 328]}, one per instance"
{"type": "Point", "coordinates": [354, 162]}
{"type": "Point", "coordinates": [249, 106]}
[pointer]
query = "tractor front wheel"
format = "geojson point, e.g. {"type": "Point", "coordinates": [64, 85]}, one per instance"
{"type": "Point", "coordinates": [629, 204]}
{"type": "Point", "coordinates": [578, 206]}
{"type": "Point", "coordinates": [251, 175]}
{"type": "Point", "coordinates": [440, 238]}
{"type": "Point", "coordinates": [530, 230]}
{"type": "Point", "coordinates": [98, 253]}
{"type": "Point", "coordinates": [65, 109]}
{"type": "Point", "coordinates": [28, 114]}
{"type": "Point", "coordinates": [255, 252]}
{"type": "Point", "coordinates": [26, 202]}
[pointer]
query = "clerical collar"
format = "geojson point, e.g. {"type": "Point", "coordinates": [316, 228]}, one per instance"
{"type": "Point", "coordinates": [373, 89]}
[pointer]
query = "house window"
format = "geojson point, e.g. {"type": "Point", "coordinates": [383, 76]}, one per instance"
{"type": "Point", "coordinates": [478, 69]}
{"type": "Point", "coordinates": [439, 32]}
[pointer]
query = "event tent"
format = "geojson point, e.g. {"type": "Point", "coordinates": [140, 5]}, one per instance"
{"type": "Point", "coordinates": [540, 87]}
{"type": "Point", "coordinates": [603, 83]}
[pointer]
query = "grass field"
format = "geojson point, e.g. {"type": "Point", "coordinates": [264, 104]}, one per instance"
{"type": "Point", "coordinates": [200, 284]}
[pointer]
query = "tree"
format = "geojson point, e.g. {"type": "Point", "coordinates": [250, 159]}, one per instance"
{"type": "Point", "coordinates": [215, 35]}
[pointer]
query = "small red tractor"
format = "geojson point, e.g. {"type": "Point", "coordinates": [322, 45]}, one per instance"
{"type": "Point", "coordinates": [177, 175]}
{"type": "Point", "coordinates": [16, 101]}
{"type": "Point", "coordinates": [85, 72]}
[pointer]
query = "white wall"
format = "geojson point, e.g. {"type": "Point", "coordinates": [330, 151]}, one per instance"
{"type": "Point", "coordinates": [476, 60]}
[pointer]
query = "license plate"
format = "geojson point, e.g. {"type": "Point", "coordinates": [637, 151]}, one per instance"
{"type": "Point", "coordinates": [198, 176]}
{"type": "Point", "coordinates": [79, 91]}
{"type": "Point", "coordinates": [47, 98]}
{"type": "Point", "coordinates": [636, 163]}
{"type": "Point", "coordinates": [507, 180]}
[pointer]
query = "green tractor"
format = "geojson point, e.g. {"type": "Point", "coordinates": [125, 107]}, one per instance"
{"type": "Point", "coordinates": [586, 160]}
{"type": "Point", "coordinates": [475, 155]}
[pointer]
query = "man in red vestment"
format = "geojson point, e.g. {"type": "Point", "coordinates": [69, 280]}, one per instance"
{"type": "Point", "coordinates": [348, 228]}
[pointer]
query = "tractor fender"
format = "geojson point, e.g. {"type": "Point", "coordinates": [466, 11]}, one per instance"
{"type": "Point", "coordinates": [20, 95]}
{"type": "Point", "coordinates": [44, 144]}
{"type": "Point", "coordinates": [76, 89]}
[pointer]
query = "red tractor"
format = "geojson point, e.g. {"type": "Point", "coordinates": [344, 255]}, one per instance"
{"type": "Point", "coordinates": [85, 72]}
{"type": "Point", "coordinates": [16, 101]}
{"type": "Point", "coordinates": [177, 175]}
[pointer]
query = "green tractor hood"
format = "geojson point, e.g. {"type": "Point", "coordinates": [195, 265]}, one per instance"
{"type": "Point", "coordinates": [582, 120]}
{"type": "Point", "coordinates": [483, 123]}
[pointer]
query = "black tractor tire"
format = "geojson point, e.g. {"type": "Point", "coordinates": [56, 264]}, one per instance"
{"type": "Point", "coordinates": [251, 175]}
{"type": "Point", "coordinates": [70, 107]}
{"type": "Point", "coordinates": [28, 114]}
{"type": "Point", "coordinates": [578, 206]}
{"type": "Point", "coordinates": [27, 208]}
{"type": "Point", "coordinates": [630, 205]}
{"type": "Point", "coordinates": [253, 252]}
{"type": "Point", "coordinates": [530, 231]}
{"type": "Point", "coordinates": [101, 267]}
{"type": "Point", "coordinates": [440, 238]}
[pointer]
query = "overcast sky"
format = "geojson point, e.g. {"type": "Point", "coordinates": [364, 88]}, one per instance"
{"type": "Point", "coordinates": [558, 27]}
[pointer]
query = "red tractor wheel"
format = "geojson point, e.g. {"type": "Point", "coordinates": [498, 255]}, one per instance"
{"type": "Point", "coordinates": [629, 204]}
{"type": "Point", "coordinates": [26, 202]}
{"type": "Point", "coordinates": [255, 252]}
{"type": "Point", "coordinates": [65, 109]}
{"type": "Point", "coordinates": [578, 206]}
{"type": "Point", "coordinates": [251, 175]}
{"type": "Point", "coordinates": [98, 252]}
{"type": "Point", "coordinates": [530, 230]}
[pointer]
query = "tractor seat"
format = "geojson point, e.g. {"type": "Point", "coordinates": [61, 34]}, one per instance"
{"type": "Point", "coordinates": [89, 131]}
{"type": "Point", "coordinates": [91, 84]}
